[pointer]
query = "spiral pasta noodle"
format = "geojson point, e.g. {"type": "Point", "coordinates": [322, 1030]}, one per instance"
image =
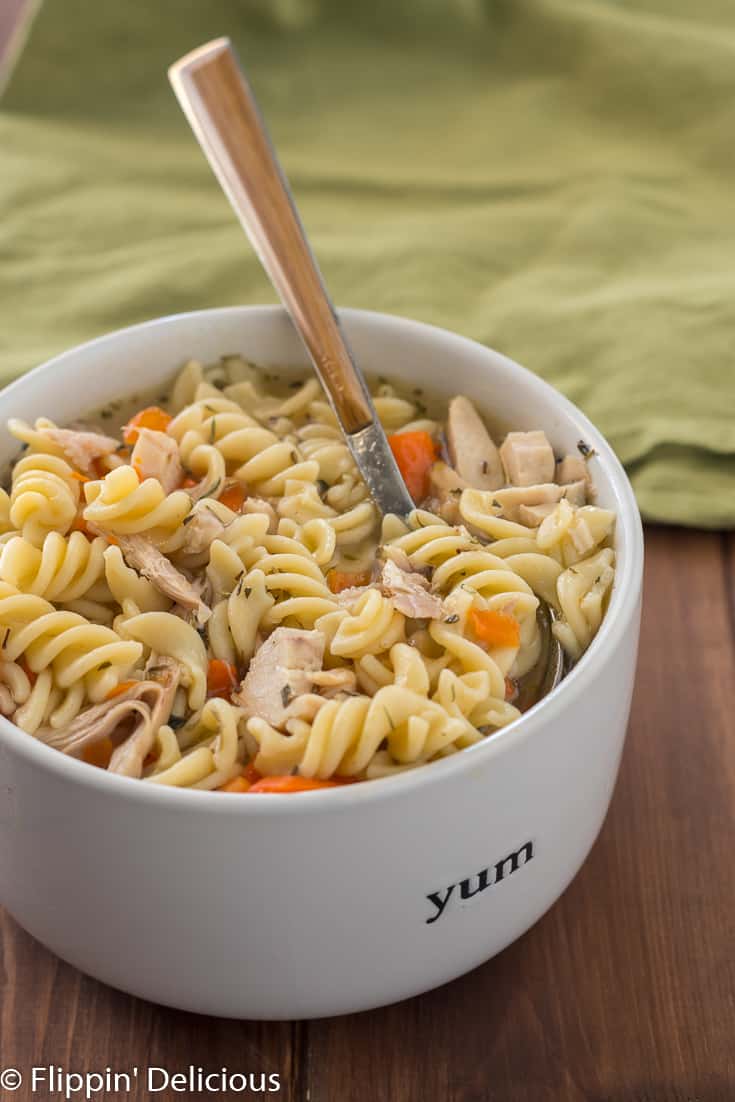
{"type": "Point", "coordinates": [209, 598]}
{"type": "Point", "coordinates": [63, 569]}
{"type": "Point", "coordinates": [78, 653]}
{"type": "Point", "coordinates": [123, 505]}
{"type": "Point", "coordinates": [44, 496]}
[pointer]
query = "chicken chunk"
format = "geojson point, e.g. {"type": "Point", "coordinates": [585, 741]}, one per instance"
{"type": "Point", "coordinates": [474, 456]}
{"type": "Point", "coordinates": [575, 493]}
{"type": "Point", "coordinates": [144, 557]}
{"type": "Point", "coordinates": [156, 455]}
{"type": "Point", "coordinates": [572, 468]}
{"type": "Point", "coordinates": [280, 671]}
{"type": "Point", "coordinates": [409, 592]}
{"type": "Point", "coordinates": [528, 458]}
{"type": "Point", "coordinates": [81, 448]}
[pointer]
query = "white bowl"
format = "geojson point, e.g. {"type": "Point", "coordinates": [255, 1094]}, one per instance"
{"type": "Point", "coordinates": [325, 902]}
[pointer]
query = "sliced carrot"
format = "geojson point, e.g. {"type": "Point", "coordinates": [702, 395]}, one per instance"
{"type": "Point", "coordinates": [79, 476]}
{"type": "Point", "coordinates": [495, 628]}
{"type": "Point", "coordinates": [237, 784]}
{"type": "Point", "coordinates": [288, 784]}
{"type": "Point", "coordinates": [233, 496]}
{"type": "Point", "coordinates": [221, 678]}
{"type": "Point", "coordinates": [415, 453]}
{"type": "Point", "coordinates": [152, 417]}
{"type": "Point", "coordinates": [188, 483]}
{"type": "Point", "coordinates": [79, 525]}
{"type": "Point", "coordinates": [251, 774]}
{"type": "Point", "coordinates": [511, 689]}
{"type": "Point", "coordinates": [121, 688]}
{"type": "Point", "coordinates": [99, 753]}
{"type": "Point", "coordinates": [337, 580]}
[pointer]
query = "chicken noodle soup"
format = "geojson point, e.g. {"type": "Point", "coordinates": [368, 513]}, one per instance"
{"type": "Point", "coordinates": [207, 597]}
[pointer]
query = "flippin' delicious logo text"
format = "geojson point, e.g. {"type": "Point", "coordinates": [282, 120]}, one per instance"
{"type": "Point", "coordinates": [480, 882]}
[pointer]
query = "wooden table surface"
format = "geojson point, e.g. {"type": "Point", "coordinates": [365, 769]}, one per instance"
{"type": "Point", "coordinates": [623, 992]}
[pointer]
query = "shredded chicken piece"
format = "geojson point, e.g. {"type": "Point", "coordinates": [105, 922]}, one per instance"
{"type": "Point", "coordinates": [280, 670]}
{"type": "Point", "coordinates": [156, 455]}
{"type": "Point", "coordinates": [533, 515]}
{"type": "Point", "coordinates": [201, 528]}
{"type": "Point", "coordinates": [409, 592]}
{"type": "Point", "coordinates": [446, 487]}
{"type": "Point", "coordinates": [144, 557]}
{"type": "Point", "coordinates": [402, 561]}
{"type": "Point", "coordinates": [528, 458]}
{"type": "Point", "coordinates": [128, 758]}
{"type": "Point", "coordinates": [131, 719]}
{"type": "Point", "coordinates": [81, 447]}
{"type": "Point", "coordinates": [202, 585]}
{"type": "Point", "coordinates": [472, 450]}
{"type": "Point", "coordinates": [514, 498]}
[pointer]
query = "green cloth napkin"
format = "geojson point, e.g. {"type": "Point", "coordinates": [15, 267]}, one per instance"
{"type": "Point", "coordinates": [553, 178]}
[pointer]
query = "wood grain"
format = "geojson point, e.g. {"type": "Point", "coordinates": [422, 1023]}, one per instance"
{"type": "Point", "coordinates": [626, 989]}
{"type": "Point", "coordinates": [624, 992]}
{"type": "Point", "coordinates": [52, 1014]}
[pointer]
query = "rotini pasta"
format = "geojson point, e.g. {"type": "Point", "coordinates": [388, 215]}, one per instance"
{"type": "Point", "coordinates": [209, 599]}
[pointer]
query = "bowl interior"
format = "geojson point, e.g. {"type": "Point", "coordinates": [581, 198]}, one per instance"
{"type": "Point", "coordinates": [147, 355]}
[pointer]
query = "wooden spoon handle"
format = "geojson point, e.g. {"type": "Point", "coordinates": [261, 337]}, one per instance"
{"type": "Point", "coordinates": [224, 116]}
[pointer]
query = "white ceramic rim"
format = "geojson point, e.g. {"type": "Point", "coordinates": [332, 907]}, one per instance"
{"type": "Point", "coordinates": [617, 620]}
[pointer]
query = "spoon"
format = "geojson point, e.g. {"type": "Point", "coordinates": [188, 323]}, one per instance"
{"type": "Point", "coordinates": [219, 104]}
{"type": "Point", "coordinates": [549, 669]}
{"type": "Point", "coordinates": [217, 101]}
